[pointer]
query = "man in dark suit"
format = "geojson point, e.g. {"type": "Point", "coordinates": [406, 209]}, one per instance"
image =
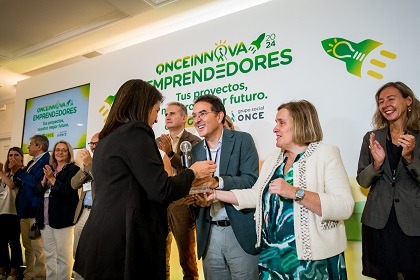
{"type": "Point", "coordinates": [226, 237]}
{"type": "Point", "coordinates": [181, 217]}
{"type": "Point", "coordinates": [27, 204]}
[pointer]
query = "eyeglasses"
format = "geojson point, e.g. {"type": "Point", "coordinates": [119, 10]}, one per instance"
{"type": "Point", "coordinates": [92, 143]}
{"type": "Point", "coordinates": [61, 150]}
{"type": "Point", "coordinates": [201, 115]}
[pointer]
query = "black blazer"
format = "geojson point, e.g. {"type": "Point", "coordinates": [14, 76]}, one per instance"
{"type": "Point", "coordinates": [62, 200]}
{"type": "Point", "coordinates": [403, 193]}
{"type": "Point", "coordinates": [127, 227]}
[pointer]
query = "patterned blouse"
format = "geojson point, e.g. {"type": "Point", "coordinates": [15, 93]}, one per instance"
{"type": "Point", "coordinates": [278, 258]}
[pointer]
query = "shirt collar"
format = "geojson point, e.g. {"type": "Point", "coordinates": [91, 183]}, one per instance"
{"type": "Point", "coordinates": [35, 159]}
{"type": "Point", "coordinates": [219, 143]}
{"type": "Point", "coordinates": [179, 135]}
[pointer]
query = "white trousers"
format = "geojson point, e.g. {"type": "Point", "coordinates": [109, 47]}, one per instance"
{"type": "Point", "coordinates": [77, 232]}
{"type": "Point", "coordinates": [58, 249]}
{"type": "Point", "coordinates": [34, 255]}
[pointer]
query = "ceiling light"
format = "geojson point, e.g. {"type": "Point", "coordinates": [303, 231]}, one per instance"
{"type": "Point", "coordinates": [159, 3]}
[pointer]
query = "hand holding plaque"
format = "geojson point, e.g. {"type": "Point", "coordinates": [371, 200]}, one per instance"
{"type": "Point", "coordinates": [204, 185]}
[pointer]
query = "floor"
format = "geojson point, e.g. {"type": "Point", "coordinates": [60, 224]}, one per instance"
{"type": "Point", "coordinates": [352, 255]}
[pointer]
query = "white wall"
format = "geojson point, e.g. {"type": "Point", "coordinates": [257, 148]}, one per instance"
{"type": "Point", "coordinates": [345, 102]}
{"type": "Point", "coordinates": [6, 125]}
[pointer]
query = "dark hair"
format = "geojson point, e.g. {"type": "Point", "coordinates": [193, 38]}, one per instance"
{"type": "Point", "coordinates": [181, 106]}
{"type": "Point", "coordinates": [306, 125]}
{"type": "Point", "coordinates": [413, 112]}
{"type": "Point", "coordinates": [17, 149]}
{"type": "Point", "coordinates": [133, 102]}
{"type": "Point", "coordinates": [41, 140]}
{"type": "Point", "coordinates": [215, 102]}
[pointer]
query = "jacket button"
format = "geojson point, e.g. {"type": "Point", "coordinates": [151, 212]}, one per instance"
{"type": "Point", "coordinates": [397, 200]}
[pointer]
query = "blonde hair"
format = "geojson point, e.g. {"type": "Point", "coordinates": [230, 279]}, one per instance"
{"type": "Point", "coordinates": [229, 123]}
{"type": "Point", "coordinates": [70, 159]}
{"type": "Point", "coordinates": [306, 125]}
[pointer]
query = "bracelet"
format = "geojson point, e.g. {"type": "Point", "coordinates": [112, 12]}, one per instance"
{"type": "Point", "coordinates": [214, 196]}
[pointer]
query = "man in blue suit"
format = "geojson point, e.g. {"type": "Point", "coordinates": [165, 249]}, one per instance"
{"type": "Point", "coordinates": [226, 237]}
{"type": "Point", "coordinates": [27, 203]}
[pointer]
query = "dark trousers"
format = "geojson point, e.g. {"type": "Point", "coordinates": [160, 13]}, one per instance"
{"type": "Point", "coordinates": [182, 225]}
{"type": "Point", "coordinates": [10, 236]}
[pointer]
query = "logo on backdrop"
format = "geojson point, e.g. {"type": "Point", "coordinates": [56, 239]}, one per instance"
{"type": "Point", "coordinates": [354, 54]}
{"type": "Point", "coordinates": [263, 52]}
{"type": "Point", "coordinates": [107, 106]}
{"type": "Point", "coordinates": [230, 59]}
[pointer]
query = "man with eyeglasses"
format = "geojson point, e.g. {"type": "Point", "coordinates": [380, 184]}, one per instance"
{"type": "Point", "coordinates": [226, 237]}
{"type": "Point", "coordinates": [83, 178]}
{"type": "Point", "coordinates": [27, 204]}
{"type": "Point", "coordinates": [181, 215]}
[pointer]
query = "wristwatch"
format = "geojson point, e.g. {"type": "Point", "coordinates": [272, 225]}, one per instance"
{"type": "Point", "coordinates": [171, 154]}
{"type": "Point", "coordinates": [300, 194]}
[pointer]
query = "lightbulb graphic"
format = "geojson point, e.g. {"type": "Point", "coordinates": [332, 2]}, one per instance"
{"type": "Point", "coordinates": [221, 51]}
{"type": "Point", "coordinates": [109, 100]}
{"type": "Point", "coordinates": [354, 54]}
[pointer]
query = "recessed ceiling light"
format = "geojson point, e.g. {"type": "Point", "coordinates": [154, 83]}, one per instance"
{"type": "Point", "coordinates": [159, 3]}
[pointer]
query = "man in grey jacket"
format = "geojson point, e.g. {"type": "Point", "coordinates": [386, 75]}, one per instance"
{"type": "Point", "coordinates": [83, 178]}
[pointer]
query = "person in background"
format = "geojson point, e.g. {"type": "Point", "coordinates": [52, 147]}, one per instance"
{"type": "Point", "coordinates": [225, 236]}
{"type": "Point", "coordinates": [83, 179]}
{"type": "Point", "coordinates": [181, 214]}
{"type": "Point", "coordinates": [56, 212]}
{"type": "Point", "coordinates": [125, 235]}
{"type": "Point", "coordinates": [301, 198]}
{"type": "Point", "coordinates": [229, 123]}
{"type": "Point", "coordinates": [10, 232]}
{"type": "Point", "coordinates": [389, 164]}
{"type": "Point", "coordinates": [27, 203]}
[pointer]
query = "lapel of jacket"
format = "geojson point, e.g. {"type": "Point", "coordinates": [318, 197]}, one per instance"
{"type": "Point", "coordinates": [200, 152]}
{"type": "Point", "coordinates": [228, 140]}
{"type": "Point", "coordinates": [38, 164]}
{"type": "Point", "coordinates": [380, 136]}
{"type": "Point", "coordinates": [184, 137]}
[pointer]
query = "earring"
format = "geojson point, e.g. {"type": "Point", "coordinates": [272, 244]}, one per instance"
{"type": "Point", "coordinates": [409, 108]}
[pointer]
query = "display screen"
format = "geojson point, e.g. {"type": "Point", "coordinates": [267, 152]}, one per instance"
{"type": "Point", "coordinates": [61, 115]}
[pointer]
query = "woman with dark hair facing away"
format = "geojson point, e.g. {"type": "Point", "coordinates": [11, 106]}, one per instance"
{"type": "Point", "coordinates": [9, 221]}
{"type": "Point", "coordinates": [389, 164]}
{"type": "Point", "coordinates": [56, 212]}
{"type": "Point", "coordinates": [301, 198]}
{"type": "Point", "coordinates": [125, 235]}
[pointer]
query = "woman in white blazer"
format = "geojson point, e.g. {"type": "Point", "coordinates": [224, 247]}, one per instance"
{"type": "Point", "coordinates": [301, 198]}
